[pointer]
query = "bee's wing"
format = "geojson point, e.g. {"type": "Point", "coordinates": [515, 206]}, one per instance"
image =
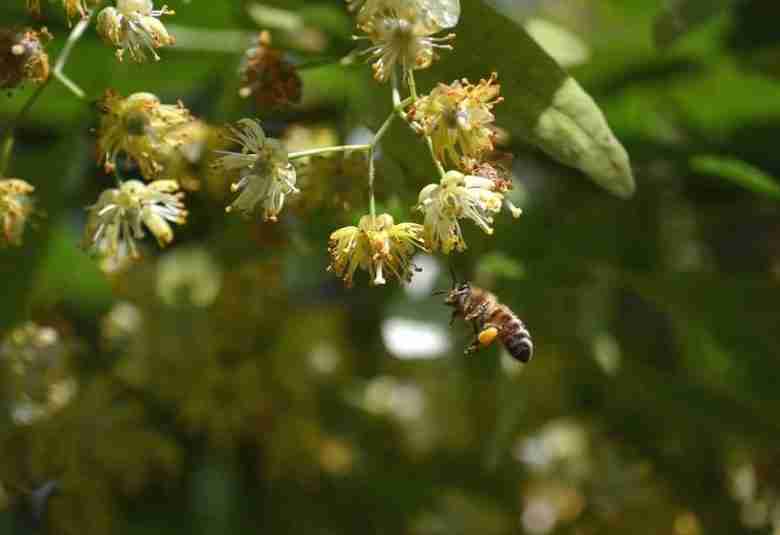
{"type": "Point", "coordinates": [441, 13]}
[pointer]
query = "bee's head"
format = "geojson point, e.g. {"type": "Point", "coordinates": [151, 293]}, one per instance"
{"type": "Point", "coordinates": [456, 292]}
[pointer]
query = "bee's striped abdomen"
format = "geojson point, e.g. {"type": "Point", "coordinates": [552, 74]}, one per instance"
{"type": "Point", "coordinates": [517, 340]}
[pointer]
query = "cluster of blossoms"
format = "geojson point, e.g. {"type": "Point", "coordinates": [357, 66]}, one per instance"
{"type": "Point", "coordinates": [16, 206]}
{"type": "Point", "coordinates": [456, 121]}
{"type": "Point", "coordinates": [134, 26]}
{"type": "Point", "coordinates": [164, 140]}
{"type": "Point", "coordinates": [23, 57]}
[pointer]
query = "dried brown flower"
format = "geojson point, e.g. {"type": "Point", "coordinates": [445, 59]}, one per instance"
{"type": "Point", "coordinates": [268, 77]}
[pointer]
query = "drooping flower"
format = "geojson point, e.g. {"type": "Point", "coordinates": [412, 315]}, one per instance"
{"type": "Point", "coordinates": [16, 206]}
{"type": "Point", "coordinates": [133, 26]}
{"type": "Point", "coordinates": [377, 245]}
{"type": "Point", "coordinates": [22, 57]}
{"type": "Point", "coordinates": [268, 77]}
{"type": "Point", "coordinates": [119, 216]}
{"type": "Point", "coordinates": [266, 176]}
{"type": "Point", "coordinates": [458, 118]}
{"type": "Point", "coordinates": [456, 197]}
{"type": "Point", "coordinates": [400, 36]}
{"type": "Point", "coordinates": [441, 14]}
{"type": "Point", "coordinates": [141, 127]}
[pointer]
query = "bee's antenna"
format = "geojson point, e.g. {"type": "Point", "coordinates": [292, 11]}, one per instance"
{"type": "Point", "coordinates": [454, 276]}
{"type": "Point", "coordinates": [440, 292]}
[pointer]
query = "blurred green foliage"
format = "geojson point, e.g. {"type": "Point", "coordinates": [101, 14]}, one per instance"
{"type": "Point", "coordinates": [231, 384]}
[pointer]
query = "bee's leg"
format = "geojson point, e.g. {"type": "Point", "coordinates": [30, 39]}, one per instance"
{"type": "Point", "coordinates": [454, 316]}
{"type": "Point", "coordinates": [474, 345]}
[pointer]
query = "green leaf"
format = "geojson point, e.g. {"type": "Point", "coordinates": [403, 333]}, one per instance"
{"type": "Point", "coordinates": [738, 172]}
{"type": "Point", "coordinates": [543, 105]}
{"type": "Point", "coordinates": [681, 16]}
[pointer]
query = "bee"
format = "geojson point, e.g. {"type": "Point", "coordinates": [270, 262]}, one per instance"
{"type": "Point", "coordinates": [490, 319]}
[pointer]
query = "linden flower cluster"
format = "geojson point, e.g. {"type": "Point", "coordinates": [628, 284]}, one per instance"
{"type": "Point", "coordinates": [144, 129]}
{"type": "Point", "coordinates": [118, 218]}
{"type": "Point", "coordinates": [402, 32]}
{"type": "Point", "coordinates": [266, 176]}
{"type": "Point", "coordinates": [133, 26]}
{"type": "Point", "coordinates": [376, 245]}
{"type": "Point", "coordinates": [15, 208]}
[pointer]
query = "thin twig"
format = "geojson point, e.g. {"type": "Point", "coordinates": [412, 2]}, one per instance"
{"type": "Point", "coordinates": [59, 67]}
{"type": "Point", "coordinates": [326, 150]}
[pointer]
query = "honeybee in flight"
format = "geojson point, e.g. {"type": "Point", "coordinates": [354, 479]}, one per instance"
{"type": "Point", "coordinates": [491, 320]}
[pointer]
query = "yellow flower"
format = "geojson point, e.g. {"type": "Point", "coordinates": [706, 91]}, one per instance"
{"type": "Point", "coordinates": [457, 196]}
{"type": "Point", "coordinates": [266, 176]}
{"type": "Point", "coordinates": [117, 219]}
{"type": "Point", "coordinates": [458, 118]}
{"type": "Point", "coordinates": [16, 206]}
{"type": "Point", "coordinates": [401, 36]}
{"type": "Point", "coordinates": [376, 245]}
{"type": "Point", "coordinates": [133, 26]}
{"type": "Point", "coordinates": [147, 131]}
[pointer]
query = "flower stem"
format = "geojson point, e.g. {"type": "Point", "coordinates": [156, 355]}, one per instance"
{"type": "Point", "coordinates": [428, 140]}
{"type": "Point", "coordinates": [5, 154]}
{"type": "Point", "coordinates": [326, 150]}
{"type": "Point", "coordinates": [73, 38]}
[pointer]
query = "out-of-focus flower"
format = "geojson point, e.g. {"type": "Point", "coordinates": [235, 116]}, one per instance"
{"type": "Point", "coordinates": [133, 26]}
{"type": "Point", "coordinates": [400, 35]}
{"type": "Point", "coordinates": [16, 205]}
{"type": "Point", "coordinates": [266, 176]}
{"type": "Point", "coordinates": [376, 245]}
{"type": "Point", "coordinates": [122, 323]}
{"type": "Point", "coordinates": [268, 77]}
{"type": "Point", "coordinates": [22, 57]}
{"type": "Point", "coordinates": [457, 196]}
{"type": "Point", "coordinates": [35, 360]}
{"type": "Point", "coordinates": [118, 217]}
{"type": "Point", "coordinates": [458, 118]}
{"type": "Point", "coordinates": [188, 277]}
{"type": "Point", "coordinates": [149, 132]}
{"type": "Point", "coordinates": [337, 456]}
